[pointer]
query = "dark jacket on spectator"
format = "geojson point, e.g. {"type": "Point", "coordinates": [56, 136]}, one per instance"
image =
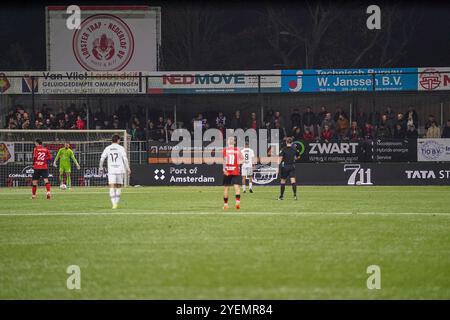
{"type": "Point", "coordinates": [412, 134]}
{"type": "Point", "coordinates": [236, 123]}
{"type": "Point", "coordinates": [354, 133]}
{"type": "Point", "coordinates": [383, 132]}
{"type": "Point", "coordinates": [446, 132]}
{"type": "Point", "coordinates": [399, 133]}
{"type": "Point", "coordinates": [296, 120]}
{"type": "Point", "coordinates": [309, 119]}
{"type": "Point", "coordinates": [361, 119]}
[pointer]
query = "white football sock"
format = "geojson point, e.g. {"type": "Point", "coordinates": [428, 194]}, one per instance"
{"type": "Point", "coordinates": [118, 192]}
{"type": "Point", "coordinates": [112, 195]}
{"type": "Point", "coordinates": [250, 184]}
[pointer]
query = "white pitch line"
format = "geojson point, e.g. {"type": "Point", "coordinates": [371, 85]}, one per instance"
{"type": "Point", "coordinates": [231, 213]}
{"type": "Point", "coordinates": [150, 191]}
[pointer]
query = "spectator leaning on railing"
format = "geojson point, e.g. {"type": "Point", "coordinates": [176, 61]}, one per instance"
{"type": "Point", "coordinates": [433, 131]}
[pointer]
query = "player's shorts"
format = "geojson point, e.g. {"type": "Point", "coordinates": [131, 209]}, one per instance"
{"type": "Point", "coordinates": [287, 172]}
{"type": "Point", "coordinates": [40, 173]}
{"type": "Point", "coordinates": [115, 178]}
{"type": "Point", "coordinates": [67, 169]}
{"type": "Point", "coordinates": [247, 171]}
{"type": "Point", "coordinates": [231, 180]}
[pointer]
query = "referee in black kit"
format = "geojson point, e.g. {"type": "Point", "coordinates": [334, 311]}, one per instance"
{"type": "Point", "coordinates": [288, 155]}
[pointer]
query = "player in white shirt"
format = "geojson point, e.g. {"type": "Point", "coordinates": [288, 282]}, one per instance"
{"type": "Point", "coordinates": [117, 167]}
{"type": "Point", "coordinates": [247, 167]}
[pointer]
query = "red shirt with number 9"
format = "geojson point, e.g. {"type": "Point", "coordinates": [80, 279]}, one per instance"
{"type": "Point", "coordinates": [40, 157]}
{"type": "Point", "coordinates": [231, 158]}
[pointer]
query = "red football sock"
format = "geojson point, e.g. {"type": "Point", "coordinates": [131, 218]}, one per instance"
{"type": "Point", "coordinates": [47, 186]}
{"type": "Point", "coordinates": [33, 190]}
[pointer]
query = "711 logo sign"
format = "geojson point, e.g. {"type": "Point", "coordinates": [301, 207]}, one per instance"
{"type": "Point", "coordinates": [358, 176]}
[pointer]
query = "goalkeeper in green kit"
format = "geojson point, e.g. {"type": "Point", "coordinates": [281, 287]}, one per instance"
{"type": "Point", "coordinates": [64, 155]}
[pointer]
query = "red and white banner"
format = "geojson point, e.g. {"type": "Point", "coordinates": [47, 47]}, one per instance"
{"type": "Point", "coordinates": [431, 79]}
{"type": "Point", "coordinates": [109, 38]}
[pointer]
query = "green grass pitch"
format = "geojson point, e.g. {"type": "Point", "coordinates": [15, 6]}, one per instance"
{"type": "Point", "coordinates": [177, 243]}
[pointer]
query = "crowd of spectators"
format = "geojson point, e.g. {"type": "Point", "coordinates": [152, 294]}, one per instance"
{"type": "Point", "coordinates": [324, 125]}
{"type": "Point", "coordinates": [73, 118]}
{"type": "Point", "coordinates": [337, 125]}
{"type": "Point", "coordinates": [46, 118]}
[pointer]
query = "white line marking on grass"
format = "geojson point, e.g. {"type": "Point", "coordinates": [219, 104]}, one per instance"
{"type": "Point", "coordinates": [230, 213]}
{"type": "Point", "coordinates": [206, 190]}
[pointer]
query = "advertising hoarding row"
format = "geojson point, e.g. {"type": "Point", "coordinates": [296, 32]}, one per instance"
{"type": "Point", "coordinates": [225, 82]}
{"type": "Point", "coordinates": [355, 174]}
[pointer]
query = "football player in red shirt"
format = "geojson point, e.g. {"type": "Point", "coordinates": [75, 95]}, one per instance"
{"type": "Point", "coordinates": [40, 157]}
{"type": "Point", "coordinates": [232, 157]}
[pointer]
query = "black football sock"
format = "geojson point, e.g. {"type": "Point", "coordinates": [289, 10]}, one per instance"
{"type": "Point", "coordinates": [294, 188]}
{"type": "Point", "coordinates": [225, 200]}
{"type": "Point", "coordinates": [283, 186]}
